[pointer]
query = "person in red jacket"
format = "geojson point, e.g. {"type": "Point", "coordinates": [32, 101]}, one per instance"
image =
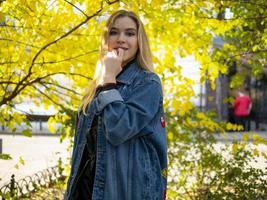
{"type": "Point", "coordinates": [242, 108]}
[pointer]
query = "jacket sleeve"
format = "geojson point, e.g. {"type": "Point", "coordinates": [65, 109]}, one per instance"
{"type": "Point", "coordinates": [125, 119]}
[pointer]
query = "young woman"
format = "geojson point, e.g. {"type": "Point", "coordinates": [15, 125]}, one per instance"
{"type": "Point", "coordinates": [120, 148]}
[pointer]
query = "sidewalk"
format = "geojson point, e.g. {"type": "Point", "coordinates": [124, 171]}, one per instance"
{"type": "Point", "coordinates": [230, 136]}
{"type": "Point", "coordinates": [38, 153]}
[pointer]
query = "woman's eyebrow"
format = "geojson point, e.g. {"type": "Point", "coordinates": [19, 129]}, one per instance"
{"type": "Point", "coordinates": [130, 29]}
{"type": "Point", "coordinates": [127, 29]}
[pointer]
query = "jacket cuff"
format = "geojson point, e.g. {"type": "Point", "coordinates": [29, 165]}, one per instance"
{"type": "Point", "coordinates": [107, 86]}
{"type": "Point", "coordinates": [106, 97]}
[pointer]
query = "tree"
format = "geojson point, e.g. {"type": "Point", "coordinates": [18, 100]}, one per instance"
{"type": "Point", "coordinates": [43, 42]}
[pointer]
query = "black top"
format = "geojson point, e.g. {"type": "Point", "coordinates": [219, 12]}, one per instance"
{"type": "Point", "coordinates": [84, 182]}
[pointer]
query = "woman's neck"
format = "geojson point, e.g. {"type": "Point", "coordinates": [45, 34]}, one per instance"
{"type": "Point", "coordinates": [125, 63]}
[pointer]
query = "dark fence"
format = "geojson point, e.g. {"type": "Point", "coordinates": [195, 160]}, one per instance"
{"type": "Point", "coordinates": [23, 188]}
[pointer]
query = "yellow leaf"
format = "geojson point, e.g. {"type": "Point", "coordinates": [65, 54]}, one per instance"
{"type": "Point", "coordinates": [245, 137]}
{"type": "Point", "coordinates": [2, 17]}
{"type": "Point", "coordinates": [65, 118]}
{"type": "Point", "coordinates": [259, 140]}
{"type": "Point", "coordinates": [240, 128]}
{"type": "Point", "coordinates": [21, 161]}
{"type": "Point", "coordinates": [170, 135]}
{"type": "Point", "coordinates": [200, 115]}
{"type": "Point", "coordinates": [16, 166]}
{"type": "Point", "coordinates": [51, 125]}
{"type": "Point", "coordinates": [229, 126]}
{"type": "Point", "coordinates": [264, 155]}
{"type": "Point", "coordinates": [256, 152]}
{"type": "Point", "coordinates": [235, 148]}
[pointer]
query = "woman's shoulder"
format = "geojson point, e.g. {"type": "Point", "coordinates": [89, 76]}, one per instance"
{"type": "Point", "coordinates": [148, 79]}
{"type": "Point", "coordinates": [148, 76]}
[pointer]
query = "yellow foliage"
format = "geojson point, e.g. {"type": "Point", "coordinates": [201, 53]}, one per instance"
{"type": "Point", "coordinates": [235, 148]}
{"type": "Point", "coordinates": [65, 118]}
{"type": "Point", "coordinates": [264, 155]}
{"type": "Point", "coordinates": [229, 126]}
{"type": "Point", "coordinates": [200, 116]}
{"type": "Point", "coordinates": [2, 16]}
{"type": "Point", "coordinates": [170, 135]}
{"type": "Point", "coordinates": [245, 137]}
{"type": "Point", "coordinates": [256, 152]}
{"type": "Point", "coordinates": [259, 140]}
{"type": "Point", "coordinates": [39, 42]}
{"type": "Point", "coordinates": [51, 125]}
{"type": "Point", "coordinates": [21, 160]}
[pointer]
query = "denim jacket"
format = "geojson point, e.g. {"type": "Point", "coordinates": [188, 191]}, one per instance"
{"type": "Point", "coordinates": [131, 153]}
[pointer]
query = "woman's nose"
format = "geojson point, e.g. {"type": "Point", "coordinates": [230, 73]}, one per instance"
{"type": "Point", "coordinates": [121, 38]}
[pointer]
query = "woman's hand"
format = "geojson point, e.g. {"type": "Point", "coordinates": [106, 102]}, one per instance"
{"type": "Point", "coordinates": [112, 66]}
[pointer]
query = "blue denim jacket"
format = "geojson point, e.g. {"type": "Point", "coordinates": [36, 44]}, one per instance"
{"type": "Point", "coordinates": [131, 145]}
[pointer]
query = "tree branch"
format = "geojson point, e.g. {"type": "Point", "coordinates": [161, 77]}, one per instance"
{"type": "Point", "coordinates": [50, 30]}
{"type": "Point", "coordinates": [21, 85]}
{"type": "Point", "coordinates": [19, 42]}
{"type": "Point", "coordinates": [57, 91]}
{"type": "Point", "coordinates": [60, 86]}
{"type": "Point", "coordinates": [43, 77]}
{"type": "Point", "coordinates": [61, 37]}
{"type": "Point", "coordinates": [11, 62]}
{"type": "Point", "coordinates": [49, 98]}
{"type": "Point", "coordinates": [8, 82]}
{"type": "Point", "coordinates": [67, 59]}
{"type": "Point", "coordinates": [64, 73]}
{"type": "Point", "coordinates": [77, 8]}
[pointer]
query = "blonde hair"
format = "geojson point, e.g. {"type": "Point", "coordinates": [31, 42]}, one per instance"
{"type": "Point", "coordinates": [144, 58]}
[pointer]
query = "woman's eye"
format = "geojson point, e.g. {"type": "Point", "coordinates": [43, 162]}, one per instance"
{"type": "Point", "coordinates": [112, 32]}
{"type": "Point", "coordinates": [130, 34]}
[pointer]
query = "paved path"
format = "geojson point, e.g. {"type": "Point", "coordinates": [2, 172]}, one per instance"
{"type": "Point", "coordinates": [38, 152]}
{"type": "Point", "coordinates": [41, 152]}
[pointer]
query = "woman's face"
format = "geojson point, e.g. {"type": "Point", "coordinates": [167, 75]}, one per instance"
{"type": "Point", "coordinates": [123, 34]}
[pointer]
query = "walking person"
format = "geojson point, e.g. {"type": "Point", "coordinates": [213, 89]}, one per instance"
{"type": "Point", "coordinates": [120, 150]}
{"type": "Point", "coordinates": [242, 108]}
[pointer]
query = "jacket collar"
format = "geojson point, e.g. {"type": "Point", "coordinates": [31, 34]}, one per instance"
{"type": "Point", "coordinates": [127, 75]}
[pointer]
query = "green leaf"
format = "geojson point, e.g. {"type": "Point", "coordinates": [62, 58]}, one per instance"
{"type": "Point", "coordinates": [27, 132]}
{"type": "Point", "coordinates": [4, 156]}
{"type": "Point", "coordinates": [16, 166]}
{"type": "Point", "coordinates": [21, 161]}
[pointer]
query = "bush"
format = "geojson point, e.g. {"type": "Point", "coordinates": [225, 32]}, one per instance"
{"type": "Point", "coordinates": [200, 168]}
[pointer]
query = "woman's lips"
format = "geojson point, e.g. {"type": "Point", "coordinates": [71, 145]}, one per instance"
{"type": "Point", "coordinates": [123, 48]}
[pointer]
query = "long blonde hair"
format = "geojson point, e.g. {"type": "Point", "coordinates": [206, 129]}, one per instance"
{"type": "Point", "coordinates": [144, 58]}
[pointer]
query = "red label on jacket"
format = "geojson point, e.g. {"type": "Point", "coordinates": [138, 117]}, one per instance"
{"type": "Point", "coordinates": [162, 121]}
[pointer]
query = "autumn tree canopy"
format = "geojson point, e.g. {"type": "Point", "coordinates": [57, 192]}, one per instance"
{"type": "Point", "coordinates": [43, 42]}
